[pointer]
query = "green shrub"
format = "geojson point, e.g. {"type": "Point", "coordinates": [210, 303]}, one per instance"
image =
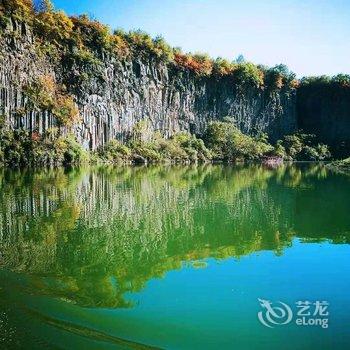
{"type": "Point", "coordinates": [141, 43]}
{"type": "Point", "coordinates": [341, 165]}
{"type": "Point", "coordinates": [73, 151]}
{"type": "Point", "coordinates": [318, 152]}
{"type": "Point", "coordinates": [15, 147]}
{"type": "Point", "coordinates": [192, 146]}
{"type": "Point", "coordinates": [172, 150]}
{"type": "Point", "coordinates": [279, 76]}
{"type": "Point", "coordinates": [114, 152]}
{"type": "Point", "coordinates": [342, 79]}
{"type": "Point", "coordinates": [222, 67]}
{"type": "Point", "coordinates": [82, 58]}
{"type": "Point", "coordinates": [300, 146]}
{"type": "Point", "coordinates": [228, 143]}
{"type": "Point", "coordinates": [279, 150]}
{"type": "Point", "coordinates": [180, 148]}
{"type": "Point", "coordinates": [147, 151]}
{"type": "Point", "coordinates": [21, 147]}
{"type": "Point", "coordinates": [162, 49]}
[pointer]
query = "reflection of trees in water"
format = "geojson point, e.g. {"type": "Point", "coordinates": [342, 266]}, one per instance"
{"type": "Point", "coordinates": [91, 235]}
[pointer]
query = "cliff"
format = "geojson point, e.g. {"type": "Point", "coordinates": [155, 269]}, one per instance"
{"type": "Point", "coordinates": [323, 109]}
{"type": "Point", "coordinates": [112, 94]}
{"type": "Point", "coordinates": [74, 74]}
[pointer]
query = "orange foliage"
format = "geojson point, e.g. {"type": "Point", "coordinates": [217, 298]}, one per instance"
{"type": "Point", "coordinates": [200, 64]}
{"type": "Point", "coordinates": [294, 84]}
{"type": "Point", "coordinates": [279, 81]}
{"type": "Point", "coordinates": [65, 110]}
{"type": "Point", "coordinates": [35, 136]}
{"type": "Point", "coordinates": [44, 93]}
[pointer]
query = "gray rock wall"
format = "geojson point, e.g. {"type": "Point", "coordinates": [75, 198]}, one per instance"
{"type": "Point", "coordinates": [325, 111]}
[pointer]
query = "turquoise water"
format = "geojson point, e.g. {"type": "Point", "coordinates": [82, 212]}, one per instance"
{"type": "Point", "coordinates": [173, 257]}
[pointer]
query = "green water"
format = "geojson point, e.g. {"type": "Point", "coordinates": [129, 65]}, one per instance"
{"type": "Point", "coordinates": [173, 257]}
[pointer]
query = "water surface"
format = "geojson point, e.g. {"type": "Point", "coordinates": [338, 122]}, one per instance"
{"type": "Point", "coordinates": [172, 257]}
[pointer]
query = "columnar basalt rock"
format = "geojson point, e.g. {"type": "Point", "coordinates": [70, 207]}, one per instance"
{"type": "Point", "coordinates": [122, 92]}
{"type": "Point", "coordinates": [324, 110]}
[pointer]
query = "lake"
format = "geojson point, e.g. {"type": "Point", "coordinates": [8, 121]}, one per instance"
{"type": "Point", "coordinates": [175, 257]}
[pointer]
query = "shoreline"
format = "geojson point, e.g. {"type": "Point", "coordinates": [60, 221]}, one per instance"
{"type": "Point", "coordinates": [162, 163]}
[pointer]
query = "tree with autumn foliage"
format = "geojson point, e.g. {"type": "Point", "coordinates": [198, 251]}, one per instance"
{"type": "Point", "coordinates": [22, 10]}
{"type": "Point", "coordinates": [201, 64]}
{"type": "Point", "coordinates": [53, 26]}
{"type": "Point", "coordinates": [45, 94]}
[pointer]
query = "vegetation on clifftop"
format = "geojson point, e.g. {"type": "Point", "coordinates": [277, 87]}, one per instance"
{"type": "Point", "coordinates": [80, 39]}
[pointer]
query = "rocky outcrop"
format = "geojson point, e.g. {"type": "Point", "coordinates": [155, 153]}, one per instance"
{"type": "Point", "coordinates": [324, 110]}
{"type": "Point", "coordinates": [172, 100]}
{"type": "Point", "coordinates": [119, 93]}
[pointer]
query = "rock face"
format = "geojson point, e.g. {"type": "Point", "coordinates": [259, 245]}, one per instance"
{"type": "Point", "coordinates": [120, 93]}
{"type": "Point", "coordinates": [325, 111]}
{"type": "Point", "coordinates": [172, 100]}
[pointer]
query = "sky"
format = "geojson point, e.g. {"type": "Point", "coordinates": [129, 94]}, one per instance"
{"type": "Point", "coordinates": [311, 36]}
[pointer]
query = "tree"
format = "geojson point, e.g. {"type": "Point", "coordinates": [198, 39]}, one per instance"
{"type": "Point", "coordinates": [228, 143]}
{"type": "Point", "coordinates": [240, 59]}
{"type": "Point", "coordinates": [44, 6]}
{"type": "Point", "coordinates": [250, 74]}
{"type": "Point", "coordinates": [223, 67]}
{"type": "Point", "coordinates": [342, 79]}
{"type": "Point", "coordinates": [54, 26]}
{"type": "Point", "coordinates": [20, 9]}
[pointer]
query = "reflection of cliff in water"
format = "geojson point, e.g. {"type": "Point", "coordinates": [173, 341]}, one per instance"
{"type": "Point", "coordinates": [90, 235]}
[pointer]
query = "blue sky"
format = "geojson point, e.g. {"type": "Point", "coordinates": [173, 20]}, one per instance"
{"type": "Point", "coordinates": [310, 36]}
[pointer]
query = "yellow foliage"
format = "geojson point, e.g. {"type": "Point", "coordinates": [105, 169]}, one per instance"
{"type": "Point", "coordinates": [19, 9]}
{"type": "Point", "coordinates": [44, 93]}
{"type": "Point", "coordinates": [119, 45]}
{"type": "Point", "coordinates": [294, 84]}
{"type": "Point", "coordinates": [223, 67]}
{"type": "Point", "coordinates": [65, 110]}
{"type": "Point", "coordinates": [89, 33]}
{"type": "Point", "coordinates": [54, 26]}
{"type": "Point", "coordinates": [279, 81]}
